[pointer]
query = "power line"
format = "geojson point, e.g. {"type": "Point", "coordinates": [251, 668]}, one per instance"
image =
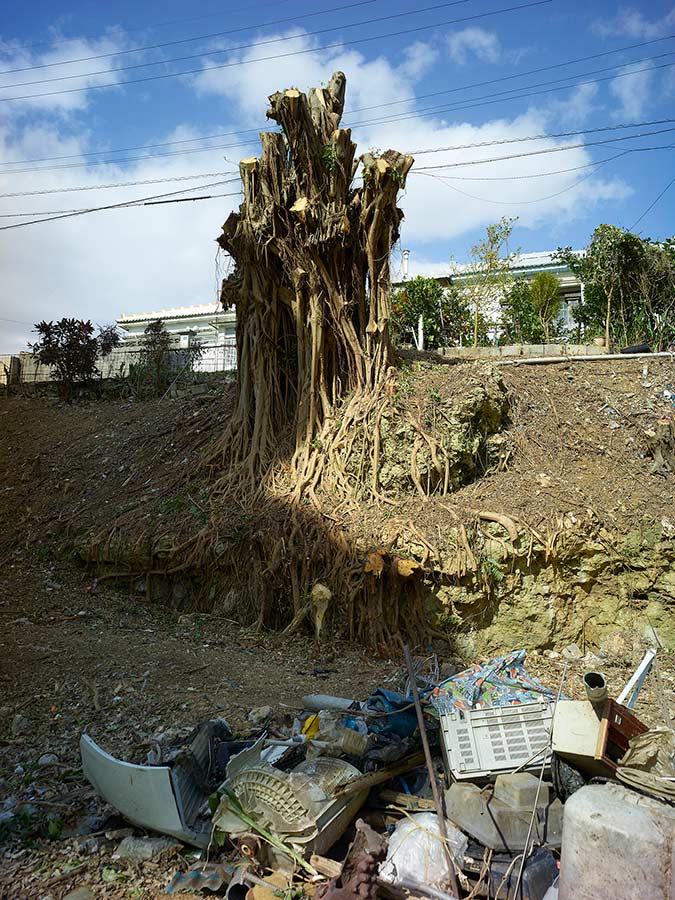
{"type": "Point", "coordinates": [544, 136]}
{"type": "Point", "coordinates": [569, 62]}
{"type": "Point", "coordinates": [494, 98]}
{"type": "Point", "coordinates": [544, 150]}
{"type": "Point", "coordinates": [125, 159]}
{"type": "Point", "coordinates": [361, 109]}
{"type": "Point", "coordinates": [258, 59]}
{"type": "Point", "coordinates": [53, 43]}
{"type": "Point", "coordinates": [15, 321]}
{"type": "Point", "coordinates": [417, 169]}
{"type": "Point", "coordinates": [208, 137]}
{"type": "Point", "coordinates": [118, 184]}
{"type": "Point", "coordinates": [652, 204]}
{"type": "Point", "coordinates": [142, 201]}
{"type": "Point", "coordinates": [206, 37]}
{"type": "Point", "coordinates": [501, 96]}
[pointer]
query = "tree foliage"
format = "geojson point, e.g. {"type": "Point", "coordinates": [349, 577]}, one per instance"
{"type": "Point", "coordinates": [159, 362]}
{"type": "Point", "coordinates": [520, 321]}
{"type": "Point", "coordinates": [629, 287]}
{"type": "Point", "coordinates": [446, 317]}
{"type": "Point", "coordinates": [545, 298]}
{"type": "Point", "coordinates": [71, 349]}
{"type": "Point", "coordinates": [488, 274]}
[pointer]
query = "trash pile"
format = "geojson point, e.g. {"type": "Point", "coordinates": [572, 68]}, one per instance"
{"type": "Point", "coordinates": [484, 784]}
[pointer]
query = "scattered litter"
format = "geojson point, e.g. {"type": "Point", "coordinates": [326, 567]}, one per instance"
{"type": "Point", "coordinates": [141, 849]}
{"type": "Point", "coordinates": [201, 877]}
{"type": "Point", "coordinates": [271, 806]}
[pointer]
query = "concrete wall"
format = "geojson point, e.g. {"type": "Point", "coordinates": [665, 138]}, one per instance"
{"type": "Point", "coordinates": [511, 350]}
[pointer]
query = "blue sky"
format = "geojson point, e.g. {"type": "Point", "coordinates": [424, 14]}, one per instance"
{"type": "Point", "coordinates": [80, 135]}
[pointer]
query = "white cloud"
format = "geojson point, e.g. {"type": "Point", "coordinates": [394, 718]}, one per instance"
{"type": "Point", "coordinates": [633, 23]}
{"type": "Point", "coordinates": [482, 44]}
{"type": "Point", "coordinates": [578, 107]}
{"type": "Point", "coordinates": [633, 91]}
{"type": "Point", "coordinates": [54, 64]}
{"type": "Point", "coordinates": [246, 87]}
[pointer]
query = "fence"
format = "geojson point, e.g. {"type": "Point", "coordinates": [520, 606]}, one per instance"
{"type": "Point", "coordinates": [24, 369]}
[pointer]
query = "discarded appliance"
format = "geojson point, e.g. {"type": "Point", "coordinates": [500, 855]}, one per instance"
{"type": "Point", "coordinates": [617, 845]}
{"type": "Point", "coordinates": [170, 799]}
{"type": "Point", "coordinates": [299, 808]}
{"type": "Point", "coordinates": [481, 743]}
{"type": "Point", "coordinates": [499, 817]}
{"type": "Point", "coordinates": [594, 734]}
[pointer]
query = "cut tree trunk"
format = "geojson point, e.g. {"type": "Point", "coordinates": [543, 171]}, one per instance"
{"type": "Point", "coordinates": [311, 285]}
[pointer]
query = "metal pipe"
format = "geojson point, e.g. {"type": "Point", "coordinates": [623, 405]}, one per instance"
{"type": "Point", "coordinates": [592, 357]}
{"type": "Point", "coordinates": [432, 775]}
{"type": "Point", "coordinates": [596, 687]}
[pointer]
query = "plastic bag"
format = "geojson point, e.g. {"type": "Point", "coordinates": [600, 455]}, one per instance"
{"type": "Point", "coordinates": [415, 851]}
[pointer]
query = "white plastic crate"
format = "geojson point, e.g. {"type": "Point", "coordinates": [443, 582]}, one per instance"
{"type": "Point", "coordinates": [496, 739]}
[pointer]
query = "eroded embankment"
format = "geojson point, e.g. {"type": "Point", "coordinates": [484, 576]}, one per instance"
{"type": "Point", "coordinates": [548, 519]}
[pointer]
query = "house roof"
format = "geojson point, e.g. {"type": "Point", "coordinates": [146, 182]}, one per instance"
{"type": "Point", "coordinates": [522, 262]}
{"type": "Point", "coordinates": [197, 311]}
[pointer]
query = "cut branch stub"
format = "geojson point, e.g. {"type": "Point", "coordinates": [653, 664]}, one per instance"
{"type": "Point", "coordinates": [311, 284]}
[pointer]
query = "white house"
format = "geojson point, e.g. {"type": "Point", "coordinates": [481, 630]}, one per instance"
{"type": "Point", "coordinates": [524, 265]}
{"type": "Point", "coordinates": [206, 323]}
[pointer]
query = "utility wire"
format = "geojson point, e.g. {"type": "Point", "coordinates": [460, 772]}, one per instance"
{"type": "Point", "coordinates": [206, 137]}
{"type": "Point", "coordinates": [19, 44]}
{"type": "Point", "coordinates": [475, 162]}
{"type": "Point", "coordinates": [15, 321]}
{"type": "Point", "coordinates": [125, 159]}
{"type": "Point", "coordinates": [118, 184]}
{"type": "Point", "coordinates": [361, 109]}
{"type": "Point", "coordinates": [653, 204]}
{"type": "Point", "coordinates": [221, 51]}
{"type": "Point", "coordinates": [559, 65]}
{"type": "Point", "coordinates": [258, 59]}
{"type": "Point", "coordinates": [417, 169]}
{"type": "Point", "coordinates": [543, 136]}
{"type": "Point", "coordinates": [219, 34]}
{"type": "Point", "coordinates": [142, 201]}
{"type": "Point", "coordinates": [493, 99]}
{"type": "Point", "coordinates": [501, 96]}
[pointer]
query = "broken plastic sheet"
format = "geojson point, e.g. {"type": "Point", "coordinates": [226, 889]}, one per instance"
{"type": "Point", "coordinates": [503, 681]}
{"type": "Point", "coordinates": [649, 763]}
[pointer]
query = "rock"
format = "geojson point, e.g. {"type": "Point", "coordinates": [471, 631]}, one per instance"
{"type": "Point", "coordinates": [81, 893]}
{"type": "Point", "coordinates": [592, 659]}
{"type": "Point", "coordinates": [259, 715]}
{"type": "Point", "coordinates": [47, 759]}
{"type": "Point", "coordinates": [572, 652]}
{"type": "Point", "coordinates": [616, 646]}
{"type": "Point", "coordinates": [20, 725]}
{"type": "Point", "coordinates": [141, 849]}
